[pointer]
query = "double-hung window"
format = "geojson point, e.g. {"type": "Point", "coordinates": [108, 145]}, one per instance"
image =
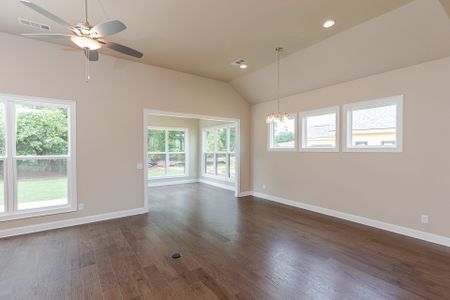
{"type": "Point", "coordinates": [375, 125]}
{"type": "Point", "coordinates": [282, 134]}
{"type": "Point", "coordinates": [167, 152]}
{"type": "Point", "coordinates": [320, 130]}
{"type": "Point", "coordinates": [219, 152]}
{"type": "Point", "coordinates": [37, 156]}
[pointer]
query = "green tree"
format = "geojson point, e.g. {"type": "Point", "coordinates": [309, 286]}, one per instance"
{"type": "Point", "coordinates": [222, 140]}
{"type": "Point", "coordinates": [41, 131]}
{"type": "Point", "coordinates": [210, 140]}
{"type": "Point", "coordinates": [232, 139]}
{"type": "Point", "coordinates": [283, 137]}
{"type": "Point", "coordinates": [2, 130]}
{"type": "Point", "coordinates": [156, 140]}
{"type": "Point", "coordinates": [176, 141]}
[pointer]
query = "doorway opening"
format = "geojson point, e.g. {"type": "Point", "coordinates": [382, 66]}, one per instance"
{"type": "Point", "coordinates": [182, 148]}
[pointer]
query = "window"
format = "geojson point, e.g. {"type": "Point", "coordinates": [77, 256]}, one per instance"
{"type": "Point", "coordinates": [320, 130]}
{"type": "Point", "coordinates": [37, 157]}
{"type": "Point", "coordinates": [219, 152]}
{"type": "Point", "coordinates": [374, 125]}
{"type": "Point", "coordinates": [282, 135]}
{"type": "Point", "coordinates": [167, 152]}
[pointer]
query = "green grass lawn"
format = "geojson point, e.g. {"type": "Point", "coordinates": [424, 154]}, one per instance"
{"type": "Point", "coordinates": [40, 189]}
{"type": "Point", "coordinates": [154, 172]}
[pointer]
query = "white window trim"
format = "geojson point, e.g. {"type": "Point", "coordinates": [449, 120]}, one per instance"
{"type": "Point", "coordinates": [166, 153]}
{"type": "Point", "coordinates": [227, 153]}
{"type": "Point", "coordinates": [348, 108]}
{"type": "Point", "coordinates": [10, 178]}
{"type": "Point", "coordinates": [303, 131]}
{"type": "Point", "coordinates": [270, 137]}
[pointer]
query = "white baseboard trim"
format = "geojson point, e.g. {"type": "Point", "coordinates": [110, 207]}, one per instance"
{"type": "Point", "coordinates": [426, 236]}
{"type": "Point", "coordinates": [244, 194]}
{"type": "Point", "coordinates": [217, 184]}
{"type": "Point", "coordinates": [173, 182]}
{"type": "Point", "coordinates": [70, 222]}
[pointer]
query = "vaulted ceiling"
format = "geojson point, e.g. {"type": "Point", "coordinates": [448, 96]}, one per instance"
{"type": "Point", "coordinates": [414, 33]}
{"type": "Point", "coordinates": [203, 37]}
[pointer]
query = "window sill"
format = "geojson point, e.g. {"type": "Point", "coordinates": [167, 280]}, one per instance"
{"type": "Point", "coordinates": [221, 178]}
{"type": "Point", "coordinates": [332, 150]}
{"type": "Point", "coordinates": [374, 149]}
{"type": "Point", "coordinates": [282, 149]}
{"type": "Point", "coordinates": [167, 177]}
{"type": "Point", "coordinates": [38, 212]}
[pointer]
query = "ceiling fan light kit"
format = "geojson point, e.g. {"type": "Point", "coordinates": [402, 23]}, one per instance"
{"type": "Point", "coordinates": [85, 36]}
{"type": "Point", "coordinates": [85, 42]}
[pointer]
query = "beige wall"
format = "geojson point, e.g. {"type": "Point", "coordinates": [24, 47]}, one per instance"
{"type": "Point", "coordinates": [193, 141]}
{"type": "Point", "coordinates": [391, 187]}
{"type": "Point", "coordinates": [110, 115]}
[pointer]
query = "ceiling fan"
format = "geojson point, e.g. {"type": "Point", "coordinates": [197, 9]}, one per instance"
{"type": "Point", "coordinates": [84, 35]}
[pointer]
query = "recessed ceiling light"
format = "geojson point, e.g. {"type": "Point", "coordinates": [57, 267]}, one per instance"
{"type": "Point", "coordinates": [328, 24]}
{"type": "Point", "coordinates": [241, 63]}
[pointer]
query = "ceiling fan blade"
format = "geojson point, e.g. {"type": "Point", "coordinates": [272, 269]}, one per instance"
{"type": "Point", "coordinates": [45, 13]}
{"type": "Point", "coordinates": [92, 55]}
{"type": "Point", "coordinates": [107, 28]}
{"type": "Point", "coordinates": [45, 36]}
{"type": "Point", "coordinates": [122, 49]}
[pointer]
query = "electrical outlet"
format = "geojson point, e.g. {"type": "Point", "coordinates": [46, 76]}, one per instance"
{"type": "Point", "coordinates": [139, 166]}
{"type": "Point", "coordinates": [264, 186]}
{"type": "Point", "coordinates": [80, 206]}
{"type": "Point", "coordinates": [424, 219]}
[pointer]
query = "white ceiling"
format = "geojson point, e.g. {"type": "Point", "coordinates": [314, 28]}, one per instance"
{"type": "Point", "coordinates": [203, 36]}
{"type": "Point", "coordinates": [414, 33]}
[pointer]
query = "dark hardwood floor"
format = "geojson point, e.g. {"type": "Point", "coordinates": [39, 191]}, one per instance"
{"type": "Point", "coordinates": [231, 248]}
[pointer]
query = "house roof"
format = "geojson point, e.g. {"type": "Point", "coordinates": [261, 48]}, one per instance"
{"type": "Point", "coordinates": [375, 118]}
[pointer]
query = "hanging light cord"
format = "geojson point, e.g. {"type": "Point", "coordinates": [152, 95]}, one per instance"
{"type": "Point", "coordinates": [279, 49]}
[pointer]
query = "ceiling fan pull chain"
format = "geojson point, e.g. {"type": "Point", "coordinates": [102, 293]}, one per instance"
{"type": "Point", "coordinates": [87, 64]}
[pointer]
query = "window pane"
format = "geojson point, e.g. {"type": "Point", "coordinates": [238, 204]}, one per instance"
{"type": "Point", "coordinates": [222, 140]}
{"type": "Point", "coordinates": [176, 141]}
{"type": "Point", "coordinates": [221, 164]}
{"type": "Point", "coordinates": [210, 136]}
{"type": "Point", "coordinates": [209, 164]}
{"type": "Point", "coordinates": [2, 186]}
{"type": "Point", "coordinates": [156, 165]}
{"type": "Point", "coordinates": [232, 139]}
{"type": "Point", "coordinates": [41, 183]}
{"type": "Point", "coordinates": [176, 164]}
{"type": "Point", "coordinates": [2, 130]}
{"type": "Point", "coordinates": [41, 130]}
{"type": "Point", "coordinates": [156, 140]}
{"type": "Point", "coordinates": [374, 126]}
{"type": "Point", "coordinates": [283, 134]}
{"type": "Point", "coordinates": [321, 131]}
{"type": "Point", "coordinates": [232, 166]}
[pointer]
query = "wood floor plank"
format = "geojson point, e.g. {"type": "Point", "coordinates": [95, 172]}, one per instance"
{"type": "Point", "coordinates": [245, 248]}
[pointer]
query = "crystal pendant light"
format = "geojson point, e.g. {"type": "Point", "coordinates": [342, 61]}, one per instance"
{"type": "Point", "coordinates": [277, 116]}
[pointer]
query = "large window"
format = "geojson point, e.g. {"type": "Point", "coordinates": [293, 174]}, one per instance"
{"type": "Point", "coordinates": [374, 125]}
{"type": "Point", "coordinates": [219, 152]}
{"type": "Point", "coordinates": [167, 152]}
{"type": "Point", "coordinates": [320, 130]}
{"type": "Point", "coordinates": [37, 156]}
{"type": "Point", "coordinates": [282, 135]}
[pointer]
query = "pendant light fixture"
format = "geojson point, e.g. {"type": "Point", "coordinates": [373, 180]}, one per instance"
{"type": "Point", "coordinates": [277, 116]}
